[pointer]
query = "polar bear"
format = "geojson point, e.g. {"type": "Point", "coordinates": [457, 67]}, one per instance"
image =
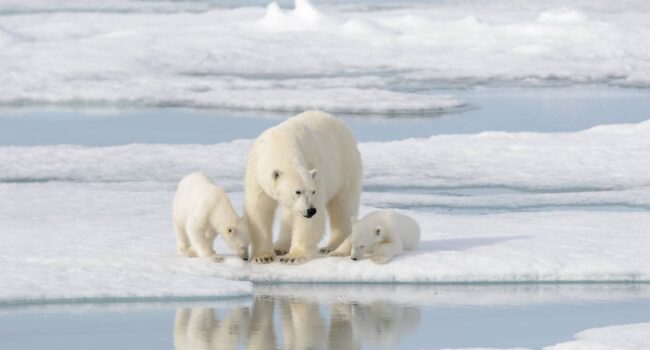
{"type": "Point", "coordinates": [201, 211]}
{"type": "Point", "coordinates": [382, 234]}
{"type": "Point", "coordinates": [308, 165]}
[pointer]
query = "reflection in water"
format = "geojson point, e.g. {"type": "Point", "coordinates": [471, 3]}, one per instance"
{"type": "Point", "coordinates": [299, 325]}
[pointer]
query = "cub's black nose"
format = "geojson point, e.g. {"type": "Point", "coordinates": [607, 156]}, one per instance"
{"type": "Point", "coordinates": [311, 212]}
{"type": "Point", "coordinates": [353, 258]}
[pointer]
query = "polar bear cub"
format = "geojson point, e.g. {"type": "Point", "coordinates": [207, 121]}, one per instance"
{"type": "Point", "coordinates": [201, 211]}
{"type": "Point", "coordinates": [382, 234]}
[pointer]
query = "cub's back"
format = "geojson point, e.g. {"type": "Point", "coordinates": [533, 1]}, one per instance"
{"type": "Point", "coordinates": [195, 193]}
{"type": "Point", "coordinates": [405, 226]}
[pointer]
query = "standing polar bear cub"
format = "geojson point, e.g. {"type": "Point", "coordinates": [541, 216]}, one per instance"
{"type": "Point", "coordinates": [309, 166]}
{"type": "Point", "coordinates": [383, 234]}
{"type": "Point", "coordinates": [201, 211]}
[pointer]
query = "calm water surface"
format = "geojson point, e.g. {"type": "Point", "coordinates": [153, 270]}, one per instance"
{"type": "Point", "coordinates": [536, 110]}
{"type": "Point", "coordinates": [336, 317]}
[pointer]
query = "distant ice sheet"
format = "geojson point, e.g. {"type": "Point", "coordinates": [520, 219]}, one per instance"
{"type": "Point", "coordinates": [343, 58]}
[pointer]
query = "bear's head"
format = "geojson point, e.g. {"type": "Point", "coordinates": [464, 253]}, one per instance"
{"type": "Point", "coordinates": [296, 190]}
{"type": "Point", "coordinates": [364, 238]}
{"type": "Point", "coordinates": [237, 237]}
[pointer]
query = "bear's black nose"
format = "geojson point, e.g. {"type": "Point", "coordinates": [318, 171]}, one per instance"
{"type": "Point", "coordinates": [353, 258]}
{"type": "Point", "coordinates": [311, 212]}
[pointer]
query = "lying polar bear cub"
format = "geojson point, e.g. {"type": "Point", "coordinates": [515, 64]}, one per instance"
{"type": "Point", "coordinates": [382, 234]}
{"type": "Point", "coordinates": [201, 211]}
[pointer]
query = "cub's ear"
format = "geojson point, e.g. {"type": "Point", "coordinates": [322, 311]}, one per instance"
{"type": "Point", "coordinates": [276, 174]}
{"type": "Point", "coordinates": [378, 230]}
{"type": "Point", "coordinates": [313, 173]}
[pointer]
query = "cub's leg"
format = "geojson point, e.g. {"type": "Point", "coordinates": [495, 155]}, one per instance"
{"type": "Point", "coordinates": [385, 252]}
{"type": "Point", "coordinates": [200, 243]}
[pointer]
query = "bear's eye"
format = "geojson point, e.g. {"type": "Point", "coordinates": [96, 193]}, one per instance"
{"type": "Point", "coordinates": [362, 246]}
{"type": "Point", "coordinates": [229, 230]}
{"type": "Point", "coordinates": [298, 193]}
{"type": "Point", "coordinates": [313, 192]}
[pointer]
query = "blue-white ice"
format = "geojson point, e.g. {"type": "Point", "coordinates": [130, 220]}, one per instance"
{"type": "Point", "coordinates": [343, 57]}
{"type": "Point", "coordinates": [82, 222]}
{"type": "Point", "coordinates": [620, 337]}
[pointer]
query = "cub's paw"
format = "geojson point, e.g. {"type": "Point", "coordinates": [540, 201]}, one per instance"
{"type": "Point", "coordinates": [263, 259]}
{"type": "Point", "coordinates": [280, 252]}
{"type": "Point", "coordinates": [293, 259]}
{"type": "Point", "coordinates": [380, 259]}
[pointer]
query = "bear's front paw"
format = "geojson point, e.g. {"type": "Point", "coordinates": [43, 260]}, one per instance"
{"type": "Point", "coordinates": [263, 259]}
{"type": "Point", "coordinates": [380, 259]}
{"type": "Point", "coordinates": [293, 259]}
{"type": "Point", "coordinates": [216, 258]}
{"type": "Point", "coordinates": [325, 250]}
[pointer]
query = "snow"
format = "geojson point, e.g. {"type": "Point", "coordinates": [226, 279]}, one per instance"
{"type": "Point", "coordinates": [83, 222]}
{"type": "Point", "coordinates": [623, 337]}
{"type": "Point", "coordinates": [620, 337]}
{"type": "Point", "coordinates": [354, 58]}
{"type": "Point", "coordinates": [459, 295]}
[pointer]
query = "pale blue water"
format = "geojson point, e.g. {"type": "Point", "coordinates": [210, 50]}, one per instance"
{"type": "Point", "coordinates": [515, 316]}
{"type": "Point", "coordinates": [534, 110]}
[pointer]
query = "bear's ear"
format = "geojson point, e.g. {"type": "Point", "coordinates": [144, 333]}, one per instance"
{"type": "Point", "coordinates": [378, 230]}
{"type": "Point", "coordinates": [276, 174]}
{"type": "Point", "coordinates": [313, 173]}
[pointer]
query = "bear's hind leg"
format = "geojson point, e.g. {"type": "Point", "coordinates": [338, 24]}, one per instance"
{"type": "Point", "coordinates": [182, 242]}
{"type": "Point", "coordinates": [340, 210]}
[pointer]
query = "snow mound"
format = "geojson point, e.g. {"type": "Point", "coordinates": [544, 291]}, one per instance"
{"type": "Point", "coordinates": [304, 16]}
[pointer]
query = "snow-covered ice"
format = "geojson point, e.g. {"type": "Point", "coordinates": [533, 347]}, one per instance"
{"type": "Point", "coordinates": [80, 222]}
{"type": "Point", "coordinates": [621, 337]}
{"type": "Point", "coordinates": [354, 58]}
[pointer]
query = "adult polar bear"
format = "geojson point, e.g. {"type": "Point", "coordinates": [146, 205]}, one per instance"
{"type": "Point", "coordinates": [304, 165]}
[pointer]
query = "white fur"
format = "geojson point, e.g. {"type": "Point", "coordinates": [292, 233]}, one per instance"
{"type": "Point", "coordinates": [382, 234]}
{"type": "Point", "coordinates": [201, 211]}
{"type": "Point", "coordinates": [315, 154]}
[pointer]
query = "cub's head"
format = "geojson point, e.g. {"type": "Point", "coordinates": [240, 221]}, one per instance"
{"type": "Point", "coordinates": [296, 190]}
{"type": "Point", "coordinates": [364, 238]}
{"type": "Point", "coordinates": [237, 237]}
